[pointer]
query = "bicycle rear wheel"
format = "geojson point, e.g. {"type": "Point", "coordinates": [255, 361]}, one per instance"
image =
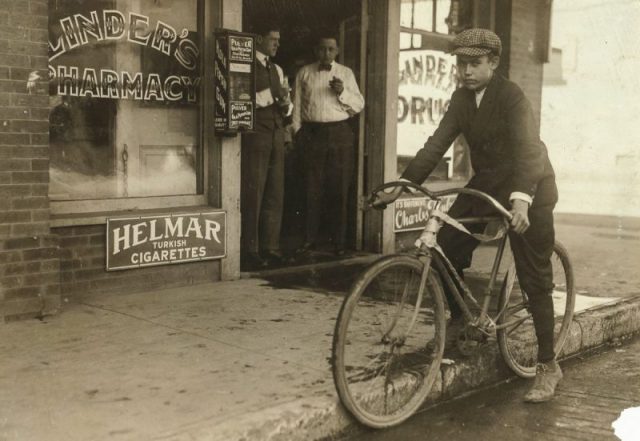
{"type": "Point", "coordinates": [517, 341]}
{"type": "Point", "coordinates": [382, 367]}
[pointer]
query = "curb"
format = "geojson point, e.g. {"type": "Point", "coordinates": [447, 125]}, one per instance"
{"type": "Point", "coordinates": [322, 417]}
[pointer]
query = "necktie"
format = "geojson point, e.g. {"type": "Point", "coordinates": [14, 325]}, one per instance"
{"type": "Point", "coordinates": [274, 81]}
{"type": "Point", "coordinates": [324, 67]}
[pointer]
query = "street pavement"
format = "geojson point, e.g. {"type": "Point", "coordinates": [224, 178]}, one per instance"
{"type": "Point", "coordinates": [246, 359]}
{"type": "Point", "coordinates": [592, 395]}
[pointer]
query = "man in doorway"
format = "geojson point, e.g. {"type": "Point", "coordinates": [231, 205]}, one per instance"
{"type": "Point", "coordinates": [262, 157]}
{"type": "Point", "coordinates": [326, 96]}
{"type": "Point", "coordinates": [511, 164]}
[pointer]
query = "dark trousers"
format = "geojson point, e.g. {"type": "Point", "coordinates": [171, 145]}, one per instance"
{"type": "Point", "coordinates": [262, 191]}
{"type": "Point", "coordinates": [532, 255]}
{"type": "Point", "coordinates": [329, 163]}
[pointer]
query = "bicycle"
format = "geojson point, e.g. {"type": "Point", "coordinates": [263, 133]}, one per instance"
{"type": "Point", "coordinates": [389, 337]}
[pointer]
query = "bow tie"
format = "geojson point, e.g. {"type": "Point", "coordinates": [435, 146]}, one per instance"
{"type": "Point", "coordinates": [324, 67]}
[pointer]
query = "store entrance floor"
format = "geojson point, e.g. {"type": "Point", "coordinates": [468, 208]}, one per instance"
{"type": "Point", "coordinates": [319, 269]}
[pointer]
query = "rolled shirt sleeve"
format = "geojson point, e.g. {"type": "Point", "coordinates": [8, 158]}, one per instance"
{"type": "Point", "coordinates": [297, 102]}
{"type": "Point", "coordinates": [264, 98]}
{"type": "Point", "coordinates": [521, 196]}
{"type": "Point", "coordinates": [351, 98]}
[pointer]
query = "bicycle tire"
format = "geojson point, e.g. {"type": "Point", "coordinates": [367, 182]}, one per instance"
{"type": "Point", "coordinates": [517, 349]}
{"type": "Point", "coordinates": [405, 374]}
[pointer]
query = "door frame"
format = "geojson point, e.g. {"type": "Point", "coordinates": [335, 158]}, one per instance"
{"type": "Point", "coordinates": [379, 156]}
{"type": "Point", "coordinates": [361, 77]}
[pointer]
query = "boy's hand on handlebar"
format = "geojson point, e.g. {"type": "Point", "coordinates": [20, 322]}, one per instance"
{"type": "Point", "coordinates": [520, 211]}
{"type": "Point", "coordinates": [382, 199]}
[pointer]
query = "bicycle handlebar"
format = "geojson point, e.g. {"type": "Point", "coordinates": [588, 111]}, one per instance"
{"type": "Point", "coordinates": [439, 194]}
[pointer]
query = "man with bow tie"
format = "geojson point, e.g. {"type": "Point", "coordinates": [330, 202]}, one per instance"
{"type": "Point", "coordinates": [326, 96]}
{"type": "Point", "coordinates": [262, 158]}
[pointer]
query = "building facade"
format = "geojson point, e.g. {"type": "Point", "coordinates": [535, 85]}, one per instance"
{"type": "Point", "coordinates": [107, 112]}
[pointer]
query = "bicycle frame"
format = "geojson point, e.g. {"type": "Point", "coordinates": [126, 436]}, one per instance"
{"type": "Point", "coordinates": [427, 246]}
{"type": "Point", "coordinates": [460, 291]}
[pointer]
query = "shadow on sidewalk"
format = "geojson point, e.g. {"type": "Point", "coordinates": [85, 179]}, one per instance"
{"type": "Point", "coordinates": [319, 274]}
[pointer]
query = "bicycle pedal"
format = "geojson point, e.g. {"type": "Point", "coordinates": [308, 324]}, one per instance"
{"type": "Point", "coordinates": [469, 345]}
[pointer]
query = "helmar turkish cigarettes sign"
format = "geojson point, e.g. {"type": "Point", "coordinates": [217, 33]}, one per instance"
{"type": "Point", "coordinates": [135, 242]}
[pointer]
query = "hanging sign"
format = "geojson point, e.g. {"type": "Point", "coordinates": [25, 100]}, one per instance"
{"type": "Point", "coordinates": [411, 214]}
{"type": "Point", "coordinates": [135, 242]}
{"type": "Point", "coordinates": [234, 82]}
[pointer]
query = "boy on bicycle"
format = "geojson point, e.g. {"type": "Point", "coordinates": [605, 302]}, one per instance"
{"type": "Point", "coordinates": [510, 163]}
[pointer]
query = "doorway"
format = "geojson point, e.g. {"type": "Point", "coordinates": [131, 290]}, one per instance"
{"type": "Point", "coordinates": [300, 22]}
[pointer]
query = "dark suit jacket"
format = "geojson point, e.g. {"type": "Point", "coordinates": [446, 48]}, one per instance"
{"type": "Point", "coordinates": [507, 154]}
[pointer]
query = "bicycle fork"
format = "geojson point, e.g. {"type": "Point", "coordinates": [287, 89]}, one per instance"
{"type": "Point", "coordinates": [398, 342]}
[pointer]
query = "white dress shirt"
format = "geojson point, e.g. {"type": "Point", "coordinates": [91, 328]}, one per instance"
{"type": "Point", "coordinates": [516, 194]}
{"type": "Point", "coordinates": [264, 98]}
{"type": "Point", "coordinates": [315, 101]}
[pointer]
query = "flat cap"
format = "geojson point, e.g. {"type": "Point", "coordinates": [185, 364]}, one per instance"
{"type": "Point", "coordinates": [476, 42]}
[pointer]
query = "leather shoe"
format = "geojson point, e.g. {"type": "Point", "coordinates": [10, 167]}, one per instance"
{"type": "Point", "coordinates": [253, 261]}
{"type": "Point", "coordinates": [274, 257]}
{"type": "Point", "coordinates": [305, 248]}
{"type": "Point", "coordinates": [548, 375]}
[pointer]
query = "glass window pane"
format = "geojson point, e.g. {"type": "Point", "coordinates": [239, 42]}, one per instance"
{"type": "Point", "coordinates": [405, 40]}
{"type": "Point", "coordinates": [417, 14]}
{"type": "Point", "coordinates": [427, 79]}
{"type": "Point", "coordinates": [443, 8]}
{"type": "Point", "coordinates": [406, 9]}
{"type": "Point", "coordinates": [125, 96]}
{"type": "Point", "coordinates": [423, 15]}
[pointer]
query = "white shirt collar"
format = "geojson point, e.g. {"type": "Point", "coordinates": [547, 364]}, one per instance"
{"type": "Point", "coordinates": [262, 58]}
{"type": "Point", "coordinates": [479, 95]}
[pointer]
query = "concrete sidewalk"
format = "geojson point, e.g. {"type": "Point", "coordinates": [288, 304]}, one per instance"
{"type": "Point", "coordinates": [243, 360]}
{"type": "Point", "coordinates": [225, 361]}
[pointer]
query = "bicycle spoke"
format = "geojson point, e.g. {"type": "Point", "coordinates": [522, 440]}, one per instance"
{"type": "Point", "coordinates": [366, 368]}
{"type": "Point", "coordinates": [518, 340]}
{"type": "Point", "coordinates": [519, 323]}
{"type": "Point", "coordinates": [384, 343]}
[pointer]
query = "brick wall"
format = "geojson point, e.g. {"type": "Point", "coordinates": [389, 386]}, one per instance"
{"type": "Point", "coordinates": [525, 66]}
{"type": "Point", "coordinates": [29, 266]}
{"type": "Point", "coordinates": [82, 266]}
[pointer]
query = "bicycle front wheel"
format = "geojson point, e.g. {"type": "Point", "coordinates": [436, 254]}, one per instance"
{"type": "Point", "coordinates": [517, 340]}
{"type": "Point", "coordinates": [383, 366]}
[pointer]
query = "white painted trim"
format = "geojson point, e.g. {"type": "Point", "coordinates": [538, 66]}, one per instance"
{"type": "Point", "coordinates": [391, 123]}
{"type": "Point", "coordinates": [63, 208]}
{"type": "Point", "coordinates": [231, 170]}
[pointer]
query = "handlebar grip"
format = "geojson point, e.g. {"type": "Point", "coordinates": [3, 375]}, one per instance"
{"type": "Point", "coordinates": [378, 205]}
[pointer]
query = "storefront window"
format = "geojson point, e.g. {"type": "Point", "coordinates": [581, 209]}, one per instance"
{"type": "Point", "coordinates": [428, 77]}
{"type": "Point", "coordinates": [125, 96]}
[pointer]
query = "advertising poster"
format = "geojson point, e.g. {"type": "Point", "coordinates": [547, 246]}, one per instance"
{"type": "Point", "coordinates": [136, 242]}
{"type": "Point", "coordinates": [411, 214]}
{"type": "Point", "coordinates": [234, 82]}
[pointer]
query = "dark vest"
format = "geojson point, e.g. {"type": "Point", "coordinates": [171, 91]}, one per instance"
{"type": "Point", "coordinates": [271, 116]}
